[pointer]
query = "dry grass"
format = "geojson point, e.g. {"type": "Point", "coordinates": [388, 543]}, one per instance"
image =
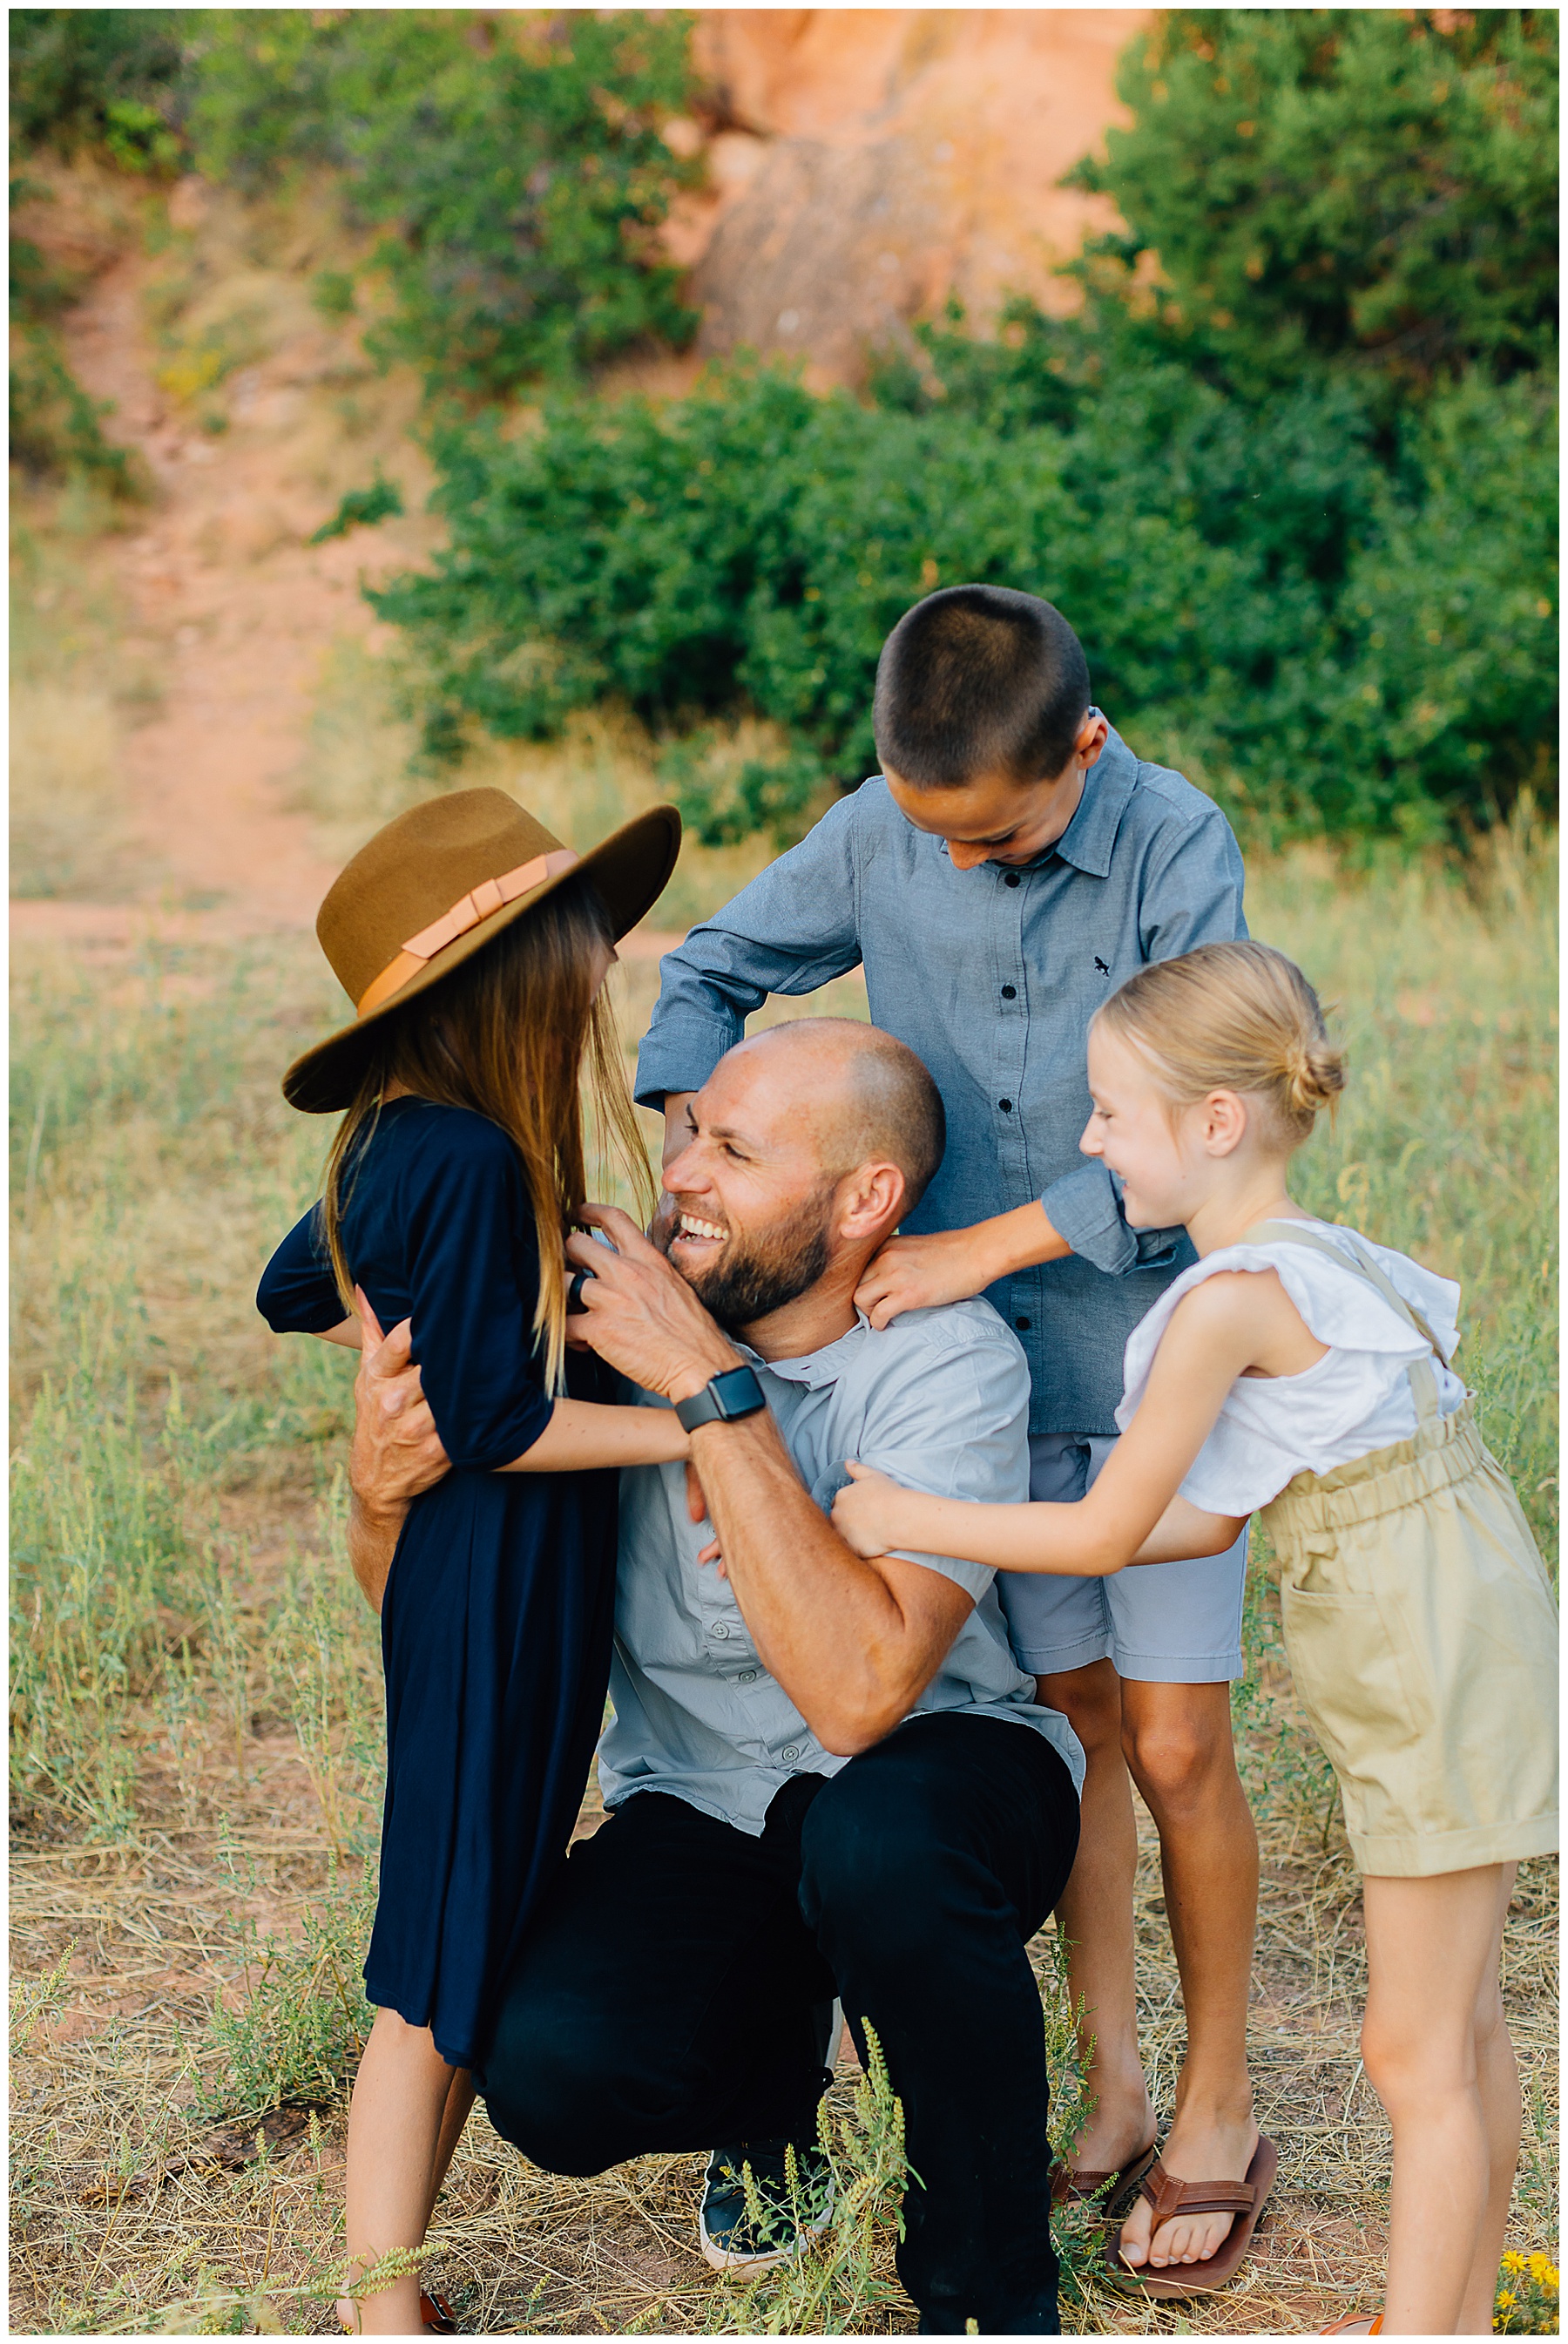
{"type": "Point", "coordinates": [193, 1773]}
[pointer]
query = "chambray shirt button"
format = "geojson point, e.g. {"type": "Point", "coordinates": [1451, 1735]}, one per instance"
{"type": "Point", "coordinates": [747, 1676]}
{"type": "Point", "coordinates": [1006, 1106]}
{"type": "Point", "coordinates": [1009, 993]}
{"type": "Point", "coordinates": [720, 1629]}
{"type": "Point", "coordinates": [790, 1755]}
{"type": "Point", "coordinates": [1022, 1326]}
{"type": "Point", "coordinates": [1013, 878]}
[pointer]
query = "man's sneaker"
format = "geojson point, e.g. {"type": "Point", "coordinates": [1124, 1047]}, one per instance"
{"type": "Point", "coordinates": [733, 2237]}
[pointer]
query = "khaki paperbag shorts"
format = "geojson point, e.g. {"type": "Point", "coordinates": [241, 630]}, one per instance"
{"type": "Point", "coordinates": [1423, 1636]}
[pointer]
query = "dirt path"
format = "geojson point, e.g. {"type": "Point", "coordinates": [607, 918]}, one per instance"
{"type": "Point", "coordinates": [220, 585]}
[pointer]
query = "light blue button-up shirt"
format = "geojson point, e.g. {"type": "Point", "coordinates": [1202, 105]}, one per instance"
{"type": "Point", "coordinates": [939, 1401]}
{"type": "Point", "coordinates": [991, 977]}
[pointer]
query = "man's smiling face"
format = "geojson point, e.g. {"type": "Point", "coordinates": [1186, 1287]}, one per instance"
{"type": "Point", "coordinates": [747, 1215]}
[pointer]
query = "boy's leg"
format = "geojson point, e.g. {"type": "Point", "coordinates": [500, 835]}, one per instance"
{"type": "Point", "coordinates": [1176, 1646]}
{"type": "Point", "coordinates": [1060, 1631]}
{"type": "Point", "coordinates": [1432, 1949]}
{"type": "Point", "coordinates": [1094, 1914]}
{"type": "Point", "coordinates": [1179, 1747]}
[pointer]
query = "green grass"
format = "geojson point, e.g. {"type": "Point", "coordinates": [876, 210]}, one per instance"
{"type": "Point", "coordinates": [195, 1684]}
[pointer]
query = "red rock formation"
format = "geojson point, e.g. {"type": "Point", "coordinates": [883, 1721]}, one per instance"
{"type": "Point", "coordinates": [866, 163]}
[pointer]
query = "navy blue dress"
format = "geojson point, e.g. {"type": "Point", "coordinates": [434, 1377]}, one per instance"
{"type": "Point", "coordinates": [497, 1620]}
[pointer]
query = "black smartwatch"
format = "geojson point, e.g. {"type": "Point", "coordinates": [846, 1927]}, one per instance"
{"type": "Point", "coordinates": [735, 1392]}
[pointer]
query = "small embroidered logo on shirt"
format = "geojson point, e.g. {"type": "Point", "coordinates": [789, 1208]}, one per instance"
{"type": "Point", "coordinates": [1100, 964]}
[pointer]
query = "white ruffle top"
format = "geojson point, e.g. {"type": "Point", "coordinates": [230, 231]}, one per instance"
{"type": "Point", "coordinates": [1356, 1398]}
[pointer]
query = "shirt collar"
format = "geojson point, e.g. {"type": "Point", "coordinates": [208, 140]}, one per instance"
{"type": "Point", "coordinates": [813, 1368]}
{"type": "Point", "coordinates": [1089, 836]}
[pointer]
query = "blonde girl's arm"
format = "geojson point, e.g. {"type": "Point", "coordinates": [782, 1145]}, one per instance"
{"type": "Point", "coordinates": [583, 1434]}
{"type": "Point", "coordinates": [1133, 1513]}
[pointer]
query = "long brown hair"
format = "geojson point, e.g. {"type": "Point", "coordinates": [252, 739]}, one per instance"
{"type": "Point", "coordinates": [515, 1033]}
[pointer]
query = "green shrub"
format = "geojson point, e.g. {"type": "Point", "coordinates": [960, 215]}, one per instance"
{"type": "Point", "coordinates": [107, 77]}
{"type": "Point", "coordinates": [1330, 186]}
{"type": "Point", "coordinates": [55, 431]}
{"type": "Point", "coordinates": [361, 508]}
{"type": "Point", "coordinates": [517, 170]}
{"type": "Point", "coordinates": [1255, 590]}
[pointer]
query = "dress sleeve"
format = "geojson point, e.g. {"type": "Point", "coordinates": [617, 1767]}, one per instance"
{"type": "Point", "coordinates": [299, 1294]}
{"type": "Point", "coordinates": [473, 1277]}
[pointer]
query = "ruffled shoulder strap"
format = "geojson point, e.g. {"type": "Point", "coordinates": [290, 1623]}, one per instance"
{"type": "Point", "coordinates": [1422, 1382]}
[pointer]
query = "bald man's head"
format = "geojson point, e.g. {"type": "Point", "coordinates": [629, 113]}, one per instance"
{"type": "Point", "coordinates": [867, 1097]}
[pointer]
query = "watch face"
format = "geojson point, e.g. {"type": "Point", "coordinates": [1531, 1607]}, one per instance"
{"type": "Point", "coordinates": [737, 1391]}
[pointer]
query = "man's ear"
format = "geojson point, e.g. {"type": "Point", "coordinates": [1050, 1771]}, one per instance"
{"type": "Point", "coordinates": [870, 1202]}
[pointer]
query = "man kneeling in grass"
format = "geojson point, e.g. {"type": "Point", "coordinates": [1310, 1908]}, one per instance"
{"type": "Point", "coordinates": [826, 1777]}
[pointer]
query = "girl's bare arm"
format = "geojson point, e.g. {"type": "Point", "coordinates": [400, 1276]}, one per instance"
{"type": "Point", "coordinates": [585, 1434]}
{"type": "Point", "coordinates": [1133, 1513]}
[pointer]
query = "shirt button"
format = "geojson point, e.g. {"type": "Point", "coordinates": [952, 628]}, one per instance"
{"type": "Point", "coordinates": [1009, 993]}
{"type": "Point", "coordinates": [1022, 1326]}
{"type": "Point", "coordinates": [1006, 1106]}
{"type": "Point", "coordinates": [1013, 878]}
{"type": "Point", "coordinates": [790, 1755]}
{"type": "Point", "coordinates": [720, 1629]}
{"type": "Point", "coordinates": [747, 1676]}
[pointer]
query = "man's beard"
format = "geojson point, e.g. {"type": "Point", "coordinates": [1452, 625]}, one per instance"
{"type": "Point", "coordinates": [748, 1282]}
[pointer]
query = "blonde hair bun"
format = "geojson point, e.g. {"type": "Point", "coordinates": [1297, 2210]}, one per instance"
{"type": "Point", "coordinates": [1232, 1017]}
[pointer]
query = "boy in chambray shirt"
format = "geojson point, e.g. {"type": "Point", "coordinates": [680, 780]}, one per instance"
{"type": "Point", "coordinates": [1012, 862]}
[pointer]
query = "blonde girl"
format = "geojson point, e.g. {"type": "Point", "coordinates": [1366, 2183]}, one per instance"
{"type": "Point", "coordinates": [1299, 1370]}
{"type": "Point", "coordinates": [473, 946]}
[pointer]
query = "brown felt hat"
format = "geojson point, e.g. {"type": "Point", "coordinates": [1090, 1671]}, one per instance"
{"type": "Point", "coordinates": [436, 885]}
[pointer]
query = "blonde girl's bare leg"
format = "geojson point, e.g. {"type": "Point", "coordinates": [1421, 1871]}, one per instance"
{"type": "Point", "coordinates": [1498, 2074]}
{"type": "Point", "coordinates": [1432, 1949]}
{"type": "Point", "coordinates": [395, 2123]}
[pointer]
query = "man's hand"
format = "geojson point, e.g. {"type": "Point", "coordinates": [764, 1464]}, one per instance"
{"type": "Point", "coordinates": [397, 1451]}
{"type": "Point", "coordinates": [918, 1273]}
{"type": "Point", "coordinates": [640, 1315]}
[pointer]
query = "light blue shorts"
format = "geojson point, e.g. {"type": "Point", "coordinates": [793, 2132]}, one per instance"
{"type": "Point", "coordinates": [1160, 1623]}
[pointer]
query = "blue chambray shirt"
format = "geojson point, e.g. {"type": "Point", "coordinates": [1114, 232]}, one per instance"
{"type": "Point", "coordinates": [991, 977]}
{"type": "Point", "coordinates": [939, 1399]}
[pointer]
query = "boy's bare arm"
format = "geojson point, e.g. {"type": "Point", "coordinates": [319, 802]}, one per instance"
{"type": "Point", "coordinates": [918, 1273]}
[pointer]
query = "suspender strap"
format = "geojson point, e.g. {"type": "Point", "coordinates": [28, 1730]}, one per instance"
{"type": "Point", "coordinates": [1423, 1381]}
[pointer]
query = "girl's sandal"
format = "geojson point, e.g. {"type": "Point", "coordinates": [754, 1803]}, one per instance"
{"type": "Point", "coordinates": [1168, 2198]}
{"type": "Point", "coordinates": [1354, 2323]}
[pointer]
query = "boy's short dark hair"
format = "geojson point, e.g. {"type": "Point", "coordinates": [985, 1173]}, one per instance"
{"type": "Point", "coordinates": [977, 679]}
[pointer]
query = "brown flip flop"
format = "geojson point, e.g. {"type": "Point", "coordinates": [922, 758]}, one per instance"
{"type": "Point", "coordinates": [1073, 2184]}
{"type": "Point", "coordinates": [1354, 2323]}
{"type": "Point", "coordinates": [436, 2315]}
{"type": "Point", "coordinates": [1168, 2198]}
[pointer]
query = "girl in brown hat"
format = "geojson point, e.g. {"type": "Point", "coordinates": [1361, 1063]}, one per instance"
{"type": "Point", "coordinates": [474, 947]}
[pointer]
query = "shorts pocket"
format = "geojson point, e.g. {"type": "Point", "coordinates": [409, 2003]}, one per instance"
{"type": "Point", "coordinates": [1352, 1685]}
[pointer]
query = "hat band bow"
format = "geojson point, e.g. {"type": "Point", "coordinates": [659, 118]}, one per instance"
{"type": "Point", "coordinates": [481, 903]}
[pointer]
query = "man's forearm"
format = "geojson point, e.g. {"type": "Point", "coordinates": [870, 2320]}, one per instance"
{"type": "Point", "coordinates": [373, 1536]}
{"type": "Point", "coordinates": [827, 1625]}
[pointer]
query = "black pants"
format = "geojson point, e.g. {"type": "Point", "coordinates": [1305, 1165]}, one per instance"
{"type": "Point", "coordinates": [669, 1996]}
